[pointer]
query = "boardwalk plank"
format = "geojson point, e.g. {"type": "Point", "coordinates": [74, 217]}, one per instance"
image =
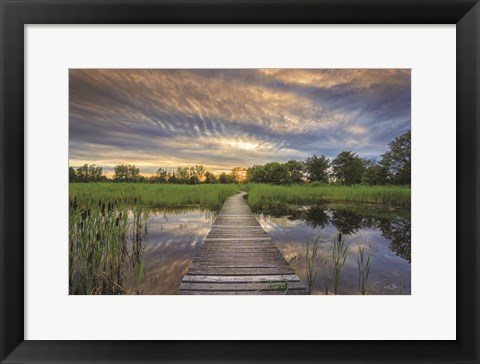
{"type": "Point", "coordinates": [240, 279]}
{"type": "Point", "coordinates": [238, 257]}
{"type": "Point", "coordinates": [239, 271]}
{"type": "Point", "coordinates": [289, 292]}
{"type": "Point", "coordinates": [247, 286]}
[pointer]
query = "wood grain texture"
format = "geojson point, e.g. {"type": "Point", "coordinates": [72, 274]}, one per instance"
{"type": "Point", "coordinates": [238, 257]}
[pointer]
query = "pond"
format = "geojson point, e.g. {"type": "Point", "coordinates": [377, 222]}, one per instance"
{"type": "Point", "coordinates": [384, 233]}
{"type": "Point", "coordinates": [175, 236]}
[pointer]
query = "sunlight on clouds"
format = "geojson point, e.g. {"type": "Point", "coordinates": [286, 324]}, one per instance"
{"type": "Point", "coordinates": [355, 78]}
{"type": "Point", "coordinates": [227, 118]}
{"type": "Point", "coordinates": [241, 145]}
{"type": "Point", "coordinates": [356, 129]}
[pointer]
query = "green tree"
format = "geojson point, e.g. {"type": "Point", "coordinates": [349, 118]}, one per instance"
{"type": "Point", "coordinates": [172, 178]}
{"type": "Point", "coordinates": [225, 178]}
{"type": "Point", "coordinates": [317, 168]}
{"type": "Point", "coordinates": [276, 173]}
{"type": "Point", "coordinates": [210, 178]}
{"type": "Point", "coordinates": [126, 173]}
{"type": "Point", "coordinates": [239, 174]}
{"type": "Point", "coordinates": [82, 173]}
{"type": "Point", "coordinates": [375, 175]}
{"type": "Point", "coordinates": [193, 179]}
{"type": "Point", "coordinates": [161, 176]}
{"type": "Point", "coordinates": [72, 177]}
{"type": "Point", "coordinates": [398, 159]}
{"type": "Point", "coordinates": [89, 173]}
{"type": "Point", "coordinates": [183, 174]}
{"type": "Point", "coordinates": [256, 174]}
{"type": "Point", "coordinates": [95, 173]}
{"type": "Point", "coordinates": [295, 171]}
{"type": "Point", "coordinates": [348, 168]}
{"type": "Point", "coordinates": [200, 172]}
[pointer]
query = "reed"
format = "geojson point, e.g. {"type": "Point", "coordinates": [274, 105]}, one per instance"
{"type": "Point", "coordinates": [108, 229]}
{"type": "Point", "coordinates": [363, 271]}
{"type": "Point", "coordinates": [139, 238]}
{"type": "Point", "coordinates": [272, 195]}
{"type": "Point", "coordinates": [98, 246]}
{"type": "Point", "coordinates": [277, 286]}
{"type": "Point", "coordinates": [311, 269]}
{"type": "Point", "coordinates": [339, 255]}
{"type": "Point", "coordinates": [155, 195]}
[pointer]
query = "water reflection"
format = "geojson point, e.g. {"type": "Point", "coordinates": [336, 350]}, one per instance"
{"type": "Point", "coordinates": [346, 222]}
{"type": "Point", "coordinates": [398, 231]}
{"type": "Point", "coordinates": [174, 237]}
{"type": "Point", "coordinates": [385, 234]}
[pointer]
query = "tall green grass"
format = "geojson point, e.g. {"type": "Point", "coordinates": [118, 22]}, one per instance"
{"type": "Point", "coordinates": [98, 245]}
{"type": "Point", "coordinates": [271, 195]}
{"type": "Point", "coordinates": [156, 195]}
{"type": "Point", "coordinates": [339, 256]}
{"type": "Point", "coordinates": [310, 264]}
{"type": "Point", "coordinates": [363, 271]}
{"type": "Point", "coordinates": [138, 238]}
{"type": "Point", "coordinates": [108, 229]}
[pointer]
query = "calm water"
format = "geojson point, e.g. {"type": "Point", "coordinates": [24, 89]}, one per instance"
{"type": "Point", "coordinates": [174, 238]}
{"type": "Point", "coordinates": [384, 233]}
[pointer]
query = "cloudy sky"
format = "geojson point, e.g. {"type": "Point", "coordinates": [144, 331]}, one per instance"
{"type": "Point", "coordinates": [232, 118]}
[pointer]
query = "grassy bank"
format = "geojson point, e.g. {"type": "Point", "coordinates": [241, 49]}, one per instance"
{"type": "Point", "coordinates": [108, 229]}
{"type": "Point", "coordinates": [270, 195]}
{"type": "Point", "coordinates": [108, 221]}
{"type": "Point", "coordinates": [106, 240]}
{"type": "Point", "coordinates": [154, 195]}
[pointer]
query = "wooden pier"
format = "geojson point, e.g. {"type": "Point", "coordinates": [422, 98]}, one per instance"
{"type": "Point", "coordinates": [238, 257]}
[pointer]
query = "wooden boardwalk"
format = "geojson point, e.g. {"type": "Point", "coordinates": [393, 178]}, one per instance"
{"type": "Point", "coordinates": [238, 257]}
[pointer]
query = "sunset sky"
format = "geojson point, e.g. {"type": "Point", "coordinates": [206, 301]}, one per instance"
{"type": "Point", "coordinates": [232, 118]}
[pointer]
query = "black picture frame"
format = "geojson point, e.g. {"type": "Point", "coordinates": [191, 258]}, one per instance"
{"type": "Point", "coordinates": [15, 14]}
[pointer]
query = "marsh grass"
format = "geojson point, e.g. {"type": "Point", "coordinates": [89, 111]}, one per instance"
{"type": "Point", "coordinates": [339, 256]}
{"type": "Point", "coordinates": [156, 195]}
{"type": "Point", "coordinates": [98, 245]}
{"type": "Point", "coordinates": [264, 195]}
{"type": "Point", "coordinates": [278, 286]}
{"type": "Point", "coordinates": [310, 262]}
{"type": "Point", "coordinates": [108, 229]}
{"type": "Point", "coordinates": [139, 238]}
{"type": "Point", "coordinates": [363, 271]}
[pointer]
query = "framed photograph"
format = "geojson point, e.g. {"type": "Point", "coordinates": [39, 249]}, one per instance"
{"type": "Point", "coordinates": [223, 155]}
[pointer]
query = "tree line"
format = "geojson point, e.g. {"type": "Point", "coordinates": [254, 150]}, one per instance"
{"type": "Point", "coordinates": [347, 168]}
{"type": "Point", "coordinates": [130, 173]}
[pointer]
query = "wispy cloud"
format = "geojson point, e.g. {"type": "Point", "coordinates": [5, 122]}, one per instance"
{"type": "Point", "coordinates": [227, 118]}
